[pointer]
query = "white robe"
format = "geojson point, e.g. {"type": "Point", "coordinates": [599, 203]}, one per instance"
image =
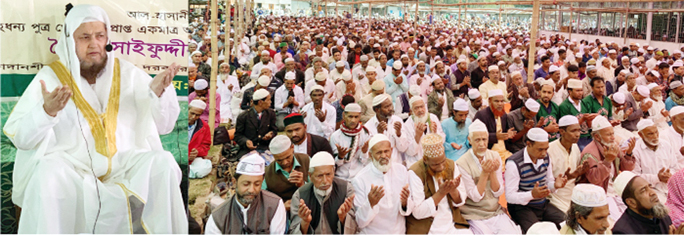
{"type": "Point", "coordinates": [53, 181]}
{"type": "Point", "coordinates": [227, 96]}
{"type": "Point", "coordinates": [562, 160]}
{"type": "Point", "coordinates": [347, 170]}
{"type": "Point", "coordinates": [399, 143]}
{"type": "Point", "coordinates": [649, 163]}
{"type": "Point", "coordinates": [315, 126]}
{"type": "Point", "coordinates": [414, 152]}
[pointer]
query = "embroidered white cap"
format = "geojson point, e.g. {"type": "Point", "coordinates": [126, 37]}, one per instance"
{"type": "Point", "coordinates": [538, 135]}
{"type": "Point", "coordinates": [252, 164]}
{"type": "Point", "coordinates": [532, 105]}
{"type": "Point", "coordinates": [567, 120]}
{"type": "Point", "coordinates": [460, 105]}
{"type": "Point", "coordinates": [279, 144]}
{"type": "Point", "coordinates": [589, 195]}
{"type": "Point", "coordinates": [198, 104]}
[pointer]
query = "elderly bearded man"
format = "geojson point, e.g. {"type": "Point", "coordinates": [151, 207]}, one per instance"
{"type": "Point", "coordinates": [437, 192]}
{"type": "Point", "coordinates": [119, 163]}
{"type": "Point", "coordinates": [655, 159]}
{"type": "Point", "coordinates": [326, 205]}
{"type": "Point", "coordinates": [645, 213]}
{"type": "Point", "coordinates": [418, 125]}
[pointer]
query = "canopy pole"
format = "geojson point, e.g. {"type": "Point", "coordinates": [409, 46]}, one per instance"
{"type": "Point", "coordinates": [624, 34]}
{"type": "Point", "coordinates": [214, 64]}
{"type": "Point", "coordinates": [533, 37]}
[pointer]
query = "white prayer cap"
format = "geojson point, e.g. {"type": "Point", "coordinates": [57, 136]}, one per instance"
{"type": "Point", "coordinates": [567, 120]}
{"type": "Point", "coordinates": [380, 98]}
{"type": "Point", "coordinates": [543, 228]}
{"type": "Point", "coordinates": [654, 73]}
{"type": "Point", "coordinates": [252, 164]}
{"type": "Point", "coordinates": [532, 105]}
{"type": "Point", "coordinates": [624, 58]}
{"type": "Point", "coordinates": [644, 123]}
{"type": "Point", "coordinates": [619, 97]}
{"type": "Point", "coordinates": [612, 52]}
{"type": "Point", "coordinates": [675, 84]}
{"type": "Point", "coordinates": [370, 69]}
{"type": "Point", "coordinates": [353, 108]}
{"type": "Point", "coordinates": [652, 85]}
{"type": "Point", "coordinates": [363, 58]}
{"type": "Point", "coordinates": [414, 90]}
{"type": "Point", "coordinates": [198, 104]}
{"type": "Point", "coordinates": [264, 80]}
{"type": "Point", "coordinates": [289, 60]}
{"type": "Point", "coordinates": [432, 145]}
{"type": "Point", "coordinates": [493, 67]}
{"type": "Point", "coordinates": [340, 42]}
{"type": "Point", "coordinates": [404, 56]}
{"type": "Point", "coordinates": [624, 71]}
{"type": "Point", "coordinates": [339, 64]}
{"type": "Point", "coordinates": [378, 85]}
{"type": "Point", "coordinates": [643, 91]}
{"type": "Point", "coordinates": [676, 110]}
{"type": "Point", "coordinates": [321, 76]}
{"type": "Point", "coordinates": [501, 63]}
{"type": "Point", "coordinates": [377, 138]}
{"type": "Point", "coordinates": [201, 84]}
{"type": "Point", "coordinates": [641, 50]}
{"type": "Point", "coordinates": [649, 48]}
{"type": "Point", "coordinates": [259, 95]}
{"type": "Point", "coordinates": [265, 52]}
{"type": "Point", "coordinates": [495, 54]}
{"type": "Point", "coordinates": [473, 94]}
{"type": "Point", "coordinates": [346, 75]}
{"type": "Point", "coordinates": [317, 87]}
{"type": "Point", "coordinates": [589, 195]}
{"type": "Point", "coordinates": [397, 65]}
{"type": "Point", "coordinates": [599, 123]}
{"type": "Point", "coordinates": [414, 99]}
{"type": "Point", "coordinates": [195, 52]}
{"type": "Point", "coordinates": [579, 55]}
{"type": "Point", "coordinates": [376, 45]}
{"type": "Point", "coordinates": [622, 180]}
{"type": "Point", "coordinates": [678, 63]}
{"type": "Point", "coordinates": [553, 68]}
{"type": "Point", "coordinates": [495, 92]}
{"type": "Point", "coordinates": [460, 105]}
{"type": "Point", "coordinates": [538, 135]}
{"type": "Point", "coordinates": [460, 61]}
{"type": "Point", "coordinates": [574, 84]}
{"type": "Point", "coordinates": [477, 126]}
{"type": "Point", "coordinates": [322, 158]}
{"type": "Point", "coordinates": [279, 144]}
{"type": "Point", "coordinates": [290, 76]}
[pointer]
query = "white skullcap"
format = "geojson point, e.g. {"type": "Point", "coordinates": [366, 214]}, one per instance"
{"type": "Point", "coordinates": [414, 90]}
{"type": "Point", "coordinates": [370, 69]}
{"type": "Point", "coordinates": [678, 63]}
{"type": "Point", "coordinates": [252, 164]}
{"type": "Point", "coordinates": [652, 85]}
{"type": "Point", "coordinates": [195, 52]}
{"type": "Point", "coordinates": [619, 97]}
{"type": "Point", "coordinates": [363, 58]}
{"type": "Point", "coordinates": [473, 94]}
{"type": "Point", "coordinates": [625, 58]}
{"type": "Point", "coordinates": [414, 99]}
{"type": "Point", "coordinates": [340, 42]}
{"type": "Point", "coordinates": [612, 52]}
{"type": "Point", "coordinates": [516, 73]}
{"type": "Point", "coordinates": [260, 94]}
{"type": "Point", "coordinates": [501, 63]}
{"type": "Point", "coordinates": [198, 104]}
{"type": "Point", "coordinates": [654, 73]}
{"type": "Point", "coordinates": [589, 195]}
{"type": "Point", "coordinates": [494, 92]}
{"type": "Point", "coordinates": [352, 107]}
{"type": "Point", "coordinates": [643, 91]}
{"type": "Point", "coordinates": [649, 48]}
{"type": "Point", "coordinates": [567, 120]}
{"type": "Point", "coordinates": [460, 105]}
{"type": "Point", "coordinates": [377, 138]}
{"type": "Point", "coordinates": [201, 84]}
{"type": "Point", "coordinates": [376, 45]}
{"type": "Point", "coordinates": [532, 105]}
{"type": "Point", "coordinates": [553, 68]}
{"type": "Point", "coordinates": [579, 55]}
{"type": "Point", "coordinates": [404, 56]}
{"type": "Point", "coordinates": [264, 80]}
{"type": "Point", "coordinates": [676, 110]}
{"type": "Point", "coordinates": [397, 65]}
{"type": "Point", "coordinates": [574, 84]}
{"type": "Point", "coordinates": [644, 123]}
{"type": "Point", "coordinates": [493, 67]}
{"type": "Point", "coordinates": [316, 87]}
{"type": "Point", "coordinates": [289, 60]}
{"type": "Point", "coordinates": [621, 181]}
{"type": "Point", "coordinates": [624, 71]}
{"type": "Point", "coordinates": [675, 84]}
{"type": "Point", "coordinates": [380, 98]}
{"type": "Point", "coordinates": [322, 158]}
{"type": "Point", "coordinates": [346, 75]}
{"type": "Point", "coordinates": [599, 123]}
{"type": "Point", "coordinates": [339, 64]}
{"type": "Point", "coordinates": [378, 85]}
{"type": "Point", "coordinates": [538, 135]}
{"type": "Point", "coordinates": [321, 76]}
{"type": "Point", "coordinates": [477, 126]}
{"type": "Point", "coordinates": [290, 76]}
{"type": "Point", "coordinates": [279, 144]}
{"type": "Point", "coordinates": [495, 54]}
{"type": "Point", "coordinates": [460, 61]}
{"type": "Point", "coordinates": [265, 52]}
{"type": "Point", "coordinates": [543, 228]}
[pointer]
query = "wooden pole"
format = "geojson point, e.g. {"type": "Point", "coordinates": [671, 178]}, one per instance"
{"type": "Point", "coordinates": [417, 4]}
{"type": "Point", "coordinates": [226, 29]}
{"type": "Point", "coordinates": [460, 17]}
{"type": "Point", "coordinates": [533, 37]}
{"type": "Point", "coordinates": [214, 64]}
{"type": "Point", "coordinates": [500, 15]}
{"type": "Point", "coordinates": [578, 21]}
{"type": "Point", "coordinates": [624, 33]}
{"type": "Point", "coordinates": [679, 25]}
{"type": "Point", "coordinates": [570, 29]}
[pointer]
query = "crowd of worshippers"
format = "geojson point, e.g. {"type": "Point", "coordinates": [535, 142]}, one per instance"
{"type": "Point", "coordinates": [397, 128]}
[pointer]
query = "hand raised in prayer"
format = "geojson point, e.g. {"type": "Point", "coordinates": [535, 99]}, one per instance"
{"type": "Point", "coordinates": [331, 95]}
{"type": "Point", "coordinates": [528, 124]}
{"type": "Point", "coordinates": [303, 114]}
{"type": "Point", "coordinates": [630, 145]}
{"type": "Point", "coordinates": [466, 81]}
{"type": "Point", "coordinates": [250, 145]}
{"type": "Point", "coordinates": [664, 175]}
{"type": "Point", "coordinates": [321, 115]}
{"type": "Point", "coordinates": [164, 79]}
{"type": "Point", "coordinates": [561, 180]}
{"type": "Point", "coordinates": [56, 100]}
{"type": "Point", "coordinates": [665, 113]}
{"type": "Point", "coordinates": [365, 147]}
{"type": "Point", "coordinates": [489, 166]}
{"type": "Point", "coordinates": [203, 98]}
{"type": "Point", "coordinates": [540, 192]}
{"type": "Point", "coordinates": [454, 191]}
{"type": "Point", "coordinates": [405, 194]}
{"type": "Point", "coordinates": [382, 126]}
{"type": "Point", "coordinates": [342, 151]}
{"type": "Point", "coordinates": [614, 122]}
{"type": "Point", "coordinates": [501, 136]}
{"type": "Point", "coordinates": [676, 230]}
{"type": "Point", "coordinates": [296, 178]}
{"type": "Point", "coordinates": [433, 126]}
{"type": "Point", "coordinates": [230, 87]}
{"type": "Point", "coordinates": [397, 128]}
{"type": "Point", "coordinates": [511, 132]}
{"type": "Point", "coordinates": [610, 153]}
{"type": "Point", "coordinates": [376, 193]}
{"type": "Point", "coordinates": [646, 106]}
{"type": "Point", "coordinates": [510, 94]}
{"type": "Point", "coordinates": [581, 170]}
{"type": "Point", "coordinates": [456, 146]}
{"type": "Point", "coordinates": [419, 81]}
{"type": "Point", "coordinates": [406, 72]}
{"type": "Point", "coordinates": [445, 187]}
{"type": "Point", "coordinates": [399, 80]}
{"type": "Point", "coordinates": [287, 205]}
{"type": "Point", "coordinates": [440, 101]}
{"type": "Point", "coordinates": [524, 92]}
{"type": "Point", "coordinates": [305, 214]}
{"type": "Point", "coordinates": [345, 208]}
{"type": "Point", "coordinates": [420, 129]}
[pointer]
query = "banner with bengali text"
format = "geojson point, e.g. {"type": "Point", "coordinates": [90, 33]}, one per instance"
{"type": "Point", "coordinates": [150, 34]}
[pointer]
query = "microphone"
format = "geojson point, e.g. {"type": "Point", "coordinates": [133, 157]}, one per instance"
{"type": "Point", "coordinates": [108, 47]}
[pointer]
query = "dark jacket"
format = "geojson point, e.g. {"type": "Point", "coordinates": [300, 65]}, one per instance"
{"type": "Point", "coordinates": [249, 127]}
{"type": "Point", "coordinates": [516, 102]}
{"type": "Point", "coordinates": [630, 121]}
{"type": "Point", "coordinates": [315, 144]}
{"type": "Point", "coordinates": [299, 77]}
{"type": "Point", "coordinates": [487, 117]}
{"type": "Point", "coordinates": [632, 223]}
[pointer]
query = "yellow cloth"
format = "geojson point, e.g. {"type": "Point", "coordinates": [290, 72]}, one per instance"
{"type": "Point", "coordinates": [500, 146]}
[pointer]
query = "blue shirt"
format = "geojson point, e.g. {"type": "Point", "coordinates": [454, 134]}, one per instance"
{"type": "Point", "coordinates": [540, 73]}
{"type": "Point", "coordinates": [669, 103]}
{"type": "Point", "coordinates": [393, 89]}
{"type": "Point", "coordinates": [455, 135]}
{"type": "Point", "coordinates": [332, 66]}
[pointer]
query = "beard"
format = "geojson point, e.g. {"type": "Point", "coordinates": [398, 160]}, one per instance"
{"type": "Point", "coordinates": [658, 98]}
{"type": "Point", "coordinates": [323, 193]}
{"type": "Point", "coordinates": [421, 119]}
{"type": "Point", "coordinates": [438, 175]}
{"type": "Point", "coordinates": [651, 142]}
{"type": "Point", "coordinates": [93, 69]}
{"type": "Point", "coordinates": [245, 201]}
{"type": "Point", "coordinates": [658, 211]}
{"type": "Point", "coordinates": [384, 168]}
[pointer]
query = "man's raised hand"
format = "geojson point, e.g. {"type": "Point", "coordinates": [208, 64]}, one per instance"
{"type": "Point", "coordinates": [56, 100]}
{"type": "Point", "coordinates": [164, 79]}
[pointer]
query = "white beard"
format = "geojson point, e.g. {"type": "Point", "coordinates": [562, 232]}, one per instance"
{"type": "Point", "coordinates": [422, 119]}
{"type": "Point", "coordinates": [652, 142]}
{"type": "Point", "coordinates": [382, 168]}
{"type": "Point", "coordinates": [658, 98]}
{"type": "Point", "coordinates": [323, 193]}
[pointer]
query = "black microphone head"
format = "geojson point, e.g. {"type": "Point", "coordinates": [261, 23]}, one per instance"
{"type": "Point", "coordinates": [68, 8]}
{"type": "Point", "coordinates": [108, 47]}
